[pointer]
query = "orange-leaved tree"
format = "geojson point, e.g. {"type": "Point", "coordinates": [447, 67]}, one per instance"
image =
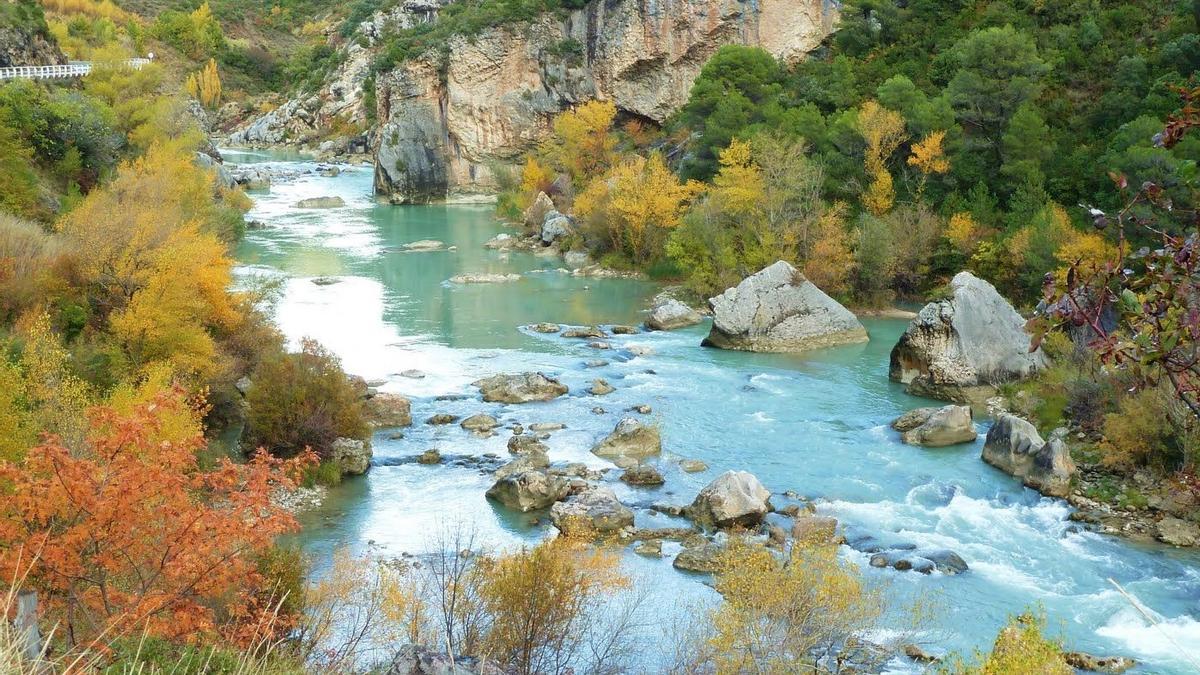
{"type": "Point", "coordinates": [130, 534]}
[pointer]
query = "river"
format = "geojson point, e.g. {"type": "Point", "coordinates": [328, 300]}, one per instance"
{"type": "Point", "coordinates": [815, 424]}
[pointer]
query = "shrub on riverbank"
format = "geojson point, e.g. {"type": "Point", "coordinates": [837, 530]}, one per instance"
{"type": "Point", "coordinates": [302, 399]}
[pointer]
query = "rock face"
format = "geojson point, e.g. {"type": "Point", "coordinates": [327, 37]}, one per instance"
{"type": "Point", "coordinates": [778, 310]}
{"type": "Point", "coordinates": [670, 314]}
{"type": "Point", "coordinates": [735, 498]}
{"type": "Point", "coordinates": [596, 511]}
{"type": "Point", "coordinates": [27, 43]}
{"type": "Point", "coordinates": [529, 490]}
{"type": "Point", "coordinates": [936, 427]}
{"type": "Point", "coordinates": [1014, 446]}
{"type": "Point", "coordinates": [629, 442]}
{"type": "Point", "coordinates": [444, 125]}
{"type": "Point", "coordinates": [960, 349]}
{"type": "Point", "coordinates": [520, 388]}
{"type": "Point", "coordinates": [352, 454]}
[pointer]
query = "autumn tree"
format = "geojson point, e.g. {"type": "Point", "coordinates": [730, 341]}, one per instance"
{"type": "Point", "coordinates": [636, 204]}
{"type": "Point", "coordinates": [152, 251]}
{"type": "Point", "coordinates": [929, 158]}
{"type": "Point", "coordinates": [883, 131]}
{"type": "Point", "coordinates": [129, 533]}
{"type": "Point", "coordinates": [204, 85]}
{"type": "Point", "coordinates": [583, 143]}
{"type": "Point", "coordinates": [831, 263]}
{"type": "Point", "coordinates": [539, 602]}
{"type": "Point", "coordinates": [786, 616]}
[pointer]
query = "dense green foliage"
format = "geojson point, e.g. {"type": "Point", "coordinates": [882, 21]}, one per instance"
{"type": "Point", "coordinates": [1037, 103]}
{"type": "Point", "coordinates": [463, 18]}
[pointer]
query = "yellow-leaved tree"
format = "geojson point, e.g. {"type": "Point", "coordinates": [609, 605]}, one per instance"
{"type": "Point", "coordinates": [929, 158]}
{"type": "Point", "coordinates": [152, 253]}
{"type": "Point", "coordinates": [831, 262]}
{"type": "Point", "coordinates": [636, 204]}
{"type": "Point", "coordinates": [204, 85]}
{"type": "Point", "coordinates": [963, 232]}
{"type": "Point", "coordinates": [583, 142]}
{"type": "Point", "coordinates": [786, 616]}
{"type": "Point", "coordinates": [883, 130]}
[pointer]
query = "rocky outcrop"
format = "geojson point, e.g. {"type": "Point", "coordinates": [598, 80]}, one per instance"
{"type": "Point", "coordinates": [936, 427]}
{"type": "Point", "coordinates": [353, 455]}
{"type": "Point", "coordinates": [629, 442]}
{"type": "Point", "coordinates": [670, 314]}
{"type": "Point", "coordinates": [294, 121]}
{"type": "Point", "coordinates": [778, 310]}
{"type": "Point", "coordinates": [961, 348]}
{"type": "Point", "coordinates": [24, 38]}
{"type": "Point", "coordinates": [529, 490]}
{"type": "Point", "coordinates": [388, 410]}
{"type": "Point", "coordinates": [593, 512]}
{"type": "Point", "coordinates": [520, 388]}
{"type": "Point", "coordinates": [1015, 447]}
{"type": "Point", "coordinates": [445, 123]}
{"type": "Point", "coordinates": [735, 498]}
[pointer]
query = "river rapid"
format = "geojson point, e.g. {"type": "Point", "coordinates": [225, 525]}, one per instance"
{"type": "Point", "coordinates": [816, 424]}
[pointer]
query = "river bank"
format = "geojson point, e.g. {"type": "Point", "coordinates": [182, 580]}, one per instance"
{"type": "Point", "coordinates": [815, 425]}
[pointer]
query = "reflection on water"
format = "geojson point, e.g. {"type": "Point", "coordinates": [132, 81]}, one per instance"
{"type": "Point", "coordinates": [815, 424]}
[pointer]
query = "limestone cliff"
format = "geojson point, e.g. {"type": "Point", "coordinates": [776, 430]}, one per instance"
{"type": "Point", "coordinates": [24, 38]}
{"type": "Point", "coordinates": [445, 122]}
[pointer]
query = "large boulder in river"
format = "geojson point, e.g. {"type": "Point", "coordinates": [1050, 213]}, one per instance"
{"type": "Point", "coordinates": [735, 498]}
{"type": "Point", "coordinates": [936, 427]}
{"type": "Point", "coordinates": [669, 314]}
{"type": "Point", "coordinates": [961, 348]}
{"type": "Point", "coordinates": [353, 455]}
{"type": "Point", "coordinates": [593, 512]}
{"type": "Point", "coordinates": [778, 310]}
{"type": "Point", "coordinates": [555, 227]}
{"type": "Point", "coordinates": [629, 442]}
{"type": "Point", "coordinates": [388, 410]}
{"type": "Point", "coordinates": [520, 388]}
{"type": "Point", "coordinates": [1015, 447]}
{"type": "Point", "coordinates": [535, 215]}
{"type": "Point", "coordinates": [529, 490]}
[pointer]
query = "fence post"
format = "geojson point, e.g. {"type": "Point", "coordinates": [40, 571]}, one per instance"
{"type": "Point", "coordinates": [25, 622]}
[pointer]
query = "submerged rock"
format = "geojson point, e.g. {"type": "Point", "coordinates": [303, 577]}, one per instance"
{"type": "Point", "coordinates": [352, 454]}
{"type": "Point", "coordinates": [600, 387]}
{"type": "Point", "coordinates": [671, 314]}
{"type": "Point", "coordinates": [522, 445]}
{"type": "Point", "coordinates": [960, 349]}
{"type": "Point", "coordinates": [735, 498]}
{"type": "Point", "coordinates": [692, 465]}
{"type": "Point", "coordinates": [484, 278]}
{"type": "Point", "coordinates": [630, 440]}
{"type": "Point", "coordinates": [442, 418]}
{"type": "Point", "coordinates": [320, 203]}
{"type": "Point", "coordinates": [778, 310]}
{"type": "Point", "coordinates": [936, 427]}
{"type": "Point", "coordinates": [480, 423]}
{"type": "Point", "coordinates": [595, 511]}
{"type": "Point", "coordinates": [529, 491]}
{"type": "Point", "coordinates": [1098, 664]}
{"type": "Point", "coordinates": [520, 388]}
{"type": "Point", "coordinates": [1015, 447]}
{"type": "Point", "coordinates": [424, 245]}
{"type": "Point", "coordinates": [545, 328]}
{"type": "Point", "coordinates": [642, 474]}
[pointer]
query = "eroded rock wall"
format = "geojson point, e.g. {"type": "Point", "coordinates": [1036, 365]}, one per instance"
{"type": "Point", "coordinates": [445, 124]}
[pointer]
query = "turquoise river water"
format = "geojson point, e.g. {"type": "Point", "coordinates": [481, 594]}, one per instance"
{"type": "Point", "coordinates": [815, 424]}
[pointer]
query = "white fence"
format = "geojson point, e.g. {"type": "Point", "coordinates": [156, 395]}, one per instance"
{"type": "Point", "coordinates": [72, 69]}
